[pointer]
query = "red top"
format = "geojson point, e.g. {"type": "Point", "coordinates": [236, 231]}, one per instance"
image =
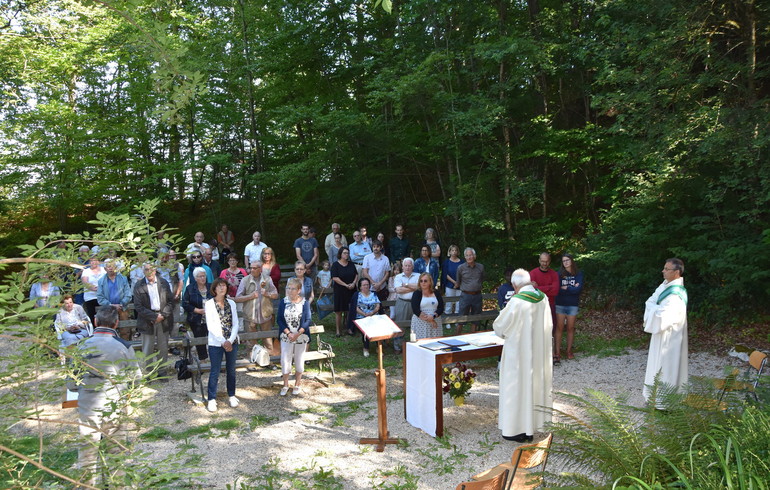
{"type": "Point", "coordinates": [275, 275]}
{"type": "Point", "coordinates": [547, 282]}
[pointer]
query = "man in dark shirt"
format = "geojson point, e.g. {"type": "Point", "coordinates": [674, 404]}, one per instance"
{"type": "Point", "coordinates": [399, 245]}
{"type": "Point", "coordinates": [216, 269]}
{"type": "Point", "coordinates": [306, 248]}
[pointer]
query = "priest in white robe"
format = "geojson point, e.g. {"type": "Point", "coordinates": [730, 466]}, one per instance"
{"type": "Point", "coordinates": [665, 317]}
{"type": "Point", "coordinates": [526, 369]}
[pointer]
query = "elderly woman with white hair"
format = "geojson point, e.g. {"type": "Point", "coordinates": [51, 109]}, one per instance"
{"type": "Point", "coordinates": [193, 300]}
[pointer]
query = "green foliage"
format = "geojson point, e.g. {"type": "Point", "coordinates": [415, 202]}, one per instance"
{"type": "Point", "coordinates": [19, 473]}
{"type": "Point", "coordinates": [627, 131]}
{"type": "Point", "coordinates": [221, 428]}
{"type": "Point", "coordinates": [444, 457]}
{"type": "Point", "coordinates": [269, 477]}
{"type": "Point", "coordinates": [677, 445]}
{"type": "Point", "coordinates": [396, 479]}
{"type": "Point", "coordinates": [343, 411]}
{"type": "Point", "coordinates": [689, 145]}
{"type": "Point", "coordinates": [32, 374]}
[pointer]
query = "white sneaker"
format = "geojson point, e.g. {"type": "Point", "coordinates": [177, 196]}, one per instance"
{"type": "Point", "coordinates": [366, 352]}
{"type": "Point", "coordinates": [296, 390]}
{"type": "Point", "coordinates": [284, 390]}
{"type": "Point", "coordinates": [233, 401]}
{"type": "Point", "coordinates": [211, 406]}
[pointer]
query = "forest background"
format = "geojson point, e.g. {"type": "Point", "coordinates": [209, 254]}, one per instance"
{"type": "Point", "coordinates": [623, 131]}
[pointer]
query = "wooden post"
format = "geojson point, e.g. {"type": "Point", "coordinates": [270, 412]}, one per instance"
{"type": "Point", "coordinates": [382, 409]}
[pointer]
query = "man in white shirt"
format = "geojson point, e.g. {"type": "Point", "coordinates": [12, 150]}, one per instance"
{"type": "Point", "coordinates": [359, 249]}
{"type": "Point", "coordinates": [376, 268]}
{"type": "Point", "coordinates": [153, 302]}
{"type": "Point", "coordinates": [198, 245]}
{"type": "Point", "coordinates": [254, 250]}
{"type": "Point", "coordinates": [405, 284]}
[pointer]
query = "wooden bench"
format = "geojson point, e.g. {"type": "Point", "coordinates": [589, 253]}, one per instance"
{"type": "Point", "coordinates": [137, 344]}
{"type": "Point", "coordinates": [484, 317]}
{"type": "Point", "coordinates": [450, 300]}
{"type": "Point", "coordinates": [324, 354]}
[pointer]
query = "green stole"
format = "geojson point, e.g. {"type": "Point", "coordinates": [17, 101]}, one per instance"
{"type": "Point", "coordinates": [674, 289]}
{"type": "Point", "coordinates": [531, 296]}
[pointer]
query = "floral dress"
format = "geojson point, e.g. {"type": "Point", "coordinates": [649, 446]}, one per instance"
{"type": "Point", "coordinates": [367, 304]}
{"type": "Point", "coordinates": [292, 313]}
{"type": "Point", "coordinates": [233, 280]}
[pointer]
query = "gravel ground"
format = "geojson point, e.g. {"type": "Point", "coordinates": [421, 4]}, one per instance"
{"type": "Point", "coordinates": [321, 428]}
{"type": "Point", "coordinates": [300, 440]}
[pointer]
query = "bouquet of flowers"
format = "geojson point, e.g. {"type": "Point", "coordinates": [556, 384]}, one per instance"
{"type": "Point", "coordinates": [458, 380]}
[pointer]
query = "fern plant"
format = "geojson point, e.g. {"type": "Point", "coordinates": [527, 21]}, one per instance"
{"type": "Point", "coordinates": [699, 439]}
{"type": "Point", "coordinates": [606, 439]}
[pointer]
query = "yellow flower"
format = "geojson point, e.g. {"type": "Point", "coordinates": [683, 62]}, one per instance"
{"type": "Point", "coordinates": [457, 385]}
{"type": "Point", "coordinates": [446, 370]}
{"type": "Point", "coordinates": [452, 377]}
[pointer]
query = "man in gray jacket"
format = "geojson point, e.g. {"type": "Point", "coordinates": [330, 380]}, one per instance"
{"type": "Point", "coordinates": [110, 366]}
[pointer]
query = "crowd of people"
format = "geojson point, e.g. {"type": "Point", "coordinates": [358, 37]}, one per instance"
{"type": "Point", "coordinates": [210, 299]}
{"type": "Point", "coordinates": [535, 307]}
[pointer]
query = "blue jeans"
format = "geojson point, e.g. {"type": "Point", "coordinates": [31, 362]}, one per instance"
{"type": "Point", "coordinates": [566, 310]}
{"type": "Point", "coordinates": [215, 357]}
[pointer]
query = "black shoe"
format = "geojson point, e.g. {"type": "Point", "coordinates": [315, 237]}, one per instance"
{"type": "Point", "coordinates": [519, 438]}
{"type": "Point", "coordinates": [175, 351]}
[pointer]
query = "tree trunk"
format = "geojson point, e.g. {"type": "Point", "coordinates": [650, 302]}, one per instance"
{"type": "Point", "coordinates": [255, 153]}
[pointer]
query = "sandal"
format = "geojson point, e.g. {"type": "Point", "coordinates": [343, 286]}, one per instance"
{"type": "Point", "coordinates": [570, 355]}
{"type": "Point", "coordinates": [556, 360]}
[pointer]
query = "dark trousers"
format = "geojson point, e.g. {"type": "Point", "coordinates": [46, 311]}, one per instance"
{"type": "Point", "coordinates": [216, 354]}
{"type": "Point", "coordinates": [90, 307]}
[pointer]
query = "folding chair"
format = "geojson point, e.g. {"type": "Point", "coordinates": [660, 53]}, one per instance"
{"type": "Point", "coordinates": [523, 460]}
{"type": "Point", "coordinates": [495, 483]}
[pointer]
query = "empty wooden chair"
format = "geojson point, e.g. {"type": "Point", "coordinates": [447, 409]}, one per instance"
{"type": "Point", "coordinates": [523, 461]}
{"type": "Point", "coordinates": [497, 482]}
{"type": "Point", "coordinates": [750, 380]}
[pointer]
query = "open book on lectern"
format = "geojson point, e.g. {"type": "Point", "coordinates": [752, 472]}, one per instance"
{"type": "Point", "coordinates": [378, 327]}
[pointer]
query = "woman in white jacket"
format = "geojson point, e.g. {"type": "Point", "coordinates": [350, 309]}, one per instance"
{"type": "Point", "coordinates": [222, 322]}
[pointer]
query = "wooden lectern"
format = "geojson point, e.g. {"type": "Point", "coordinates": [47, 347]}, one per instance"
{"type": "Point", "coordinates": [378, 328]}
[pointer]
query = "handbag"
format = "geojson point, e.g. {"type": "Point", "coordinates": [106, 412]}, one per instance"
{"type": "Point", "coordinates": [182, 371]}
{"type": "Point", "coordinates": [259, 356]}
{"type": "Point", "coordinates": [324, 301]}
{"type": "Point", "coordinates": [266, 305]}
